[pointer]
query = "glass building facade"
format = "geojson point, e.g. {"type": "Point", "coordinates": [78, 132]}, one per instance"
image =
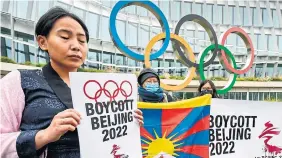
{"type": "Point", "coordinates": [262, 20]}
{"type": "Point", "coordinates": [136, 26]}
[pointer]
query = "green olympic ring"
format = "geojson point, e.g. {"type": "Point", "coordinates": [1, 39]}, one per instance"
{"type": "Point", "coordinates": [232, 77]}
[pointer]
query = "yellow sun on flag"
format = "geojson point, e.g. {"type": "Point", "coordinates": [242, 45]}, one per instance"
{"type": "Point", "coordinates": [161, 144]}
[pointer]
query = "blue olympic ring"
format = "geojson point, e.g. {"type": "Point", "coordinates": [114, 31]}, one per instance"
{"type": "Point", "coordinates": [156, 11]}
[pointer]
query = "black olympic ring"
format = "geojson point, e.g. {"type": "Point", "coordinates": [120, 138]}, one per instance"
{"type": "Point", "coordinates": [210, 31]}
{"type": "Point", "coordinates": [106, 91]}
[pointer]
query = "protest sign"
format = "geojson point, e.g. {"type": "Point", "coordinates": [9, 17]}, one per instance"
{"type": "Point", "coordinates": [106, 102]}
{"type": "Point", "coordinates": [245, 129]}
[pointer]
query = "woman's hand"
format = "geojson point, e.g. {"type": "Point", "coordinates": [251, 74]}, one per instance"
{"type": "Point", "coordinates": [139, 116]}
{"type": "Point", "coordinates": [62, 123]}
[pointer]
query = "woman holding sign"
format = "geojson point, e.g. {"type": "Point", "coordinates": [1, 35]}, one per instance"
{"type": "Point", "coordinates": [37, 115]}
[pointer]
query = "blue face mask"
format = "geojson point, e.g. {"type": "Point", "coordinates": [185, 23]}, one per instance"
{"type": "Point", "coordinates": [152, 87]}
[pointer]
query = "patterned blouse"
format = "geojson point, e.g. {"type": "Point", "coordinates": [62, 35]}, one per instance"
{"type": "Point", "coordinates": [29, 101]}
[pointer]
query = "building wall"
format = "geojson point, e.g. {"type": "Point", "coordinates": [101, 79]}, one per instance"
{"type": "Point", "coordinates": [262, 20]}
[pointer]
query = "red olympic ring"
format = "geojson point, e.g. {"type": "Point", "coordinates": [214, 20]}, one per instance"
{"type": "Point", "coordinates": [250, 48]}
{"type": "Point", "coordinates": [106, 91]}
{"type": "Point", "coordinates": [123, 91]}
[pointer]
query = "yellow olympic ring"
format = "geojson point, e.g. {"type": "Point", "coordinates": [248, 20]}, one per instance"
{"type": "Point", "coordinates": [187, 50]}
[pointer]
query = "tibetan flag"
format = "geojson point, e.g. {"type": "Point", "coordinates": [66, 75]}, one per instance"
{"type": "Point", "coordinates": [177, 129]}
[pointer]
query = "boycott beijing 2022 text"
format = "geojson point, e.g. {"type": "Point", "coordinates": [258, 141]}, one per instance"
{"type": "Point", "coordinates": [226, 129]}
{"type": "Point", "coordinates": [102, 119]}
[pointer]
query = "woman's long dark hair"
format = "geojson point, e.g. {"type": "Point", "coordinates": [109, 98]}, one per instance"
{"type": "Point", "coordinates": [214, 93]}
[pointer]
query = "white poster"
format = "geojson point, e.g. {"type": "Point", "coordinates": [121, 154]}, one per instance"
{"type": "Point", "coordinates": [245, 129]}
{"type": "Point", "coordinates": [106, 102]}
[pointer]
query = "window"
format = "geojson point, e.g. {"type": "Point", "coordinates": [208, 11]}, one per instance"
{"type": "Point", "coordinates": [5, 6]}
{"type": "Point", "coordinates": [20, 8]}
{"type": "Point", "coordinates": [272, 95]}
{"type": "Point", "coordinates": [6, 47]}
{"type": "Point", "coordinates": [63, 5]}
{"type": "Point", "coordinates": [186, 8]}
{"type": "Point", "coordinates": [220, 14]}
{"type": "Point", "coordinates": [269, 70]}
{"type": "Point", "coordinates": [250, 95]}
{"type": "Point", "coordinates": [261, 42]}
{"type": "Point", "coordinates": [228, 15]}
{"type": "Point", "coordinates": [279, 96]}
{"type": "Point", "coordinates": [106, 3]}
{"type": "Point", "coordinates": [275, 18]}
{"type": "Point", "coordinates": [132, 63]}
{"type": "Point", "coordinates": [24, 37]}
{"type": "Point", "coordinates": [231, 39]}
{"type": "Point", "coordinates": [238, 96]}
{"type": "Point", "coordinates": [258, 70]}
{"type": "Point", "coordinates": [266, 18]}
{"type": "Point", "coordinates": [197, 8]}
{"type": "Point", "coordinates": [121, 29]}
{"type": "Point", "coordinates": [43, 57]}
{"type": "Point", "coordinates": [142, 11]}
{"type": "Point", "coordinates": [271, 43]}
{"type": "Point", "coordinates": [93, 55]}
{"type": "Point", "coordinates": [155, 63]}
{"type": "Point", "coordinates": [246, 19]}
{"type": "Point", "coordinates": [132, 34]}
{"type": "Point", "coordinates": [244, 95]}
{"type": "Point", "coordinates": [175, 10]}
{"type": "Point", "coordinates": [130, 9]}
{"type": "Point", "coordinates": [107, 58]}
{"type": "Point", "coordinates": [190, 38]}
{"type": "Point", "coordinates": [265, 95]}
{"type": "Point", "coordinates": [78, 12]}
{"type": "Point", "coordinates": [240, 41]}
{"type": "Point", "coordinates": [260, 96]}
{"type": "Point", "coordinates": [279, 70]}
{"type": "Point", "coordinates": [280, 43]}
{"type": "Point", "coordinates": [232, 95]}
{"type": "Point", "coordinates": [92, 24]}
{"type": "Point", "coordinates": [105, 35]}
{"type": "Point", "coordinates": [256, 17]}
{"type": "Point", "coordinates": [164, 5]}
{"type": "Point", "coordinates": [5, 31]}
{"type": "Point", "coordinates": [215, 14]}
{"type": "Point", "coordinates": [32, 52]}
{"type": "Point", "coordinates": [255, 96]}
{"type": "Point", "coordinates": [230, 18]}
{"type": "Point", "coordinates": [43, 7]}
{"type": "Point", "coordinates": [225, 96]}
{"type": "Point", "coordinates": [24, 53]}
{"type": "Point", "coordinates": [120, 60]}
{"type": "Point", "coordinates": [143, 36]}
{"type": "Point", "coordinates": [240, 16]}
{"type": "Point", "coordinates": [166, 64]}
{"type": "Point", "coordinates": [156, 31]}
{"type": "Point", "coordinates": [208, 13]}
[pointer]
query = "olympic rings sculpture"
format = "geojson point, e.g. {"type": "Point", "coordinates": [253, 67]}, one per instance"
{"type": "Point", "coordinates": [217, 46]}
{"type": "Point", "coordinates": [107, 92]}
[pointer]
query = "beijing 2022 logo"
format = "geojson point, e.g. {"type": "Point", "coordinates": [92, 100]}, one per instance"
{"type": "Point", "coordinates": [268, 133]}
{"type": "Point", "coordinates": [217, 46]}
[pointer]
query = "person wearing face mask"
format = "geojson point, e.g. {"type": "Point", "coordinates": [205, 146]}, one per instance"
{"type": "Point", "coordinates": [207, 87]}
{"type": "Point", "coordinates": [149, 89]}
